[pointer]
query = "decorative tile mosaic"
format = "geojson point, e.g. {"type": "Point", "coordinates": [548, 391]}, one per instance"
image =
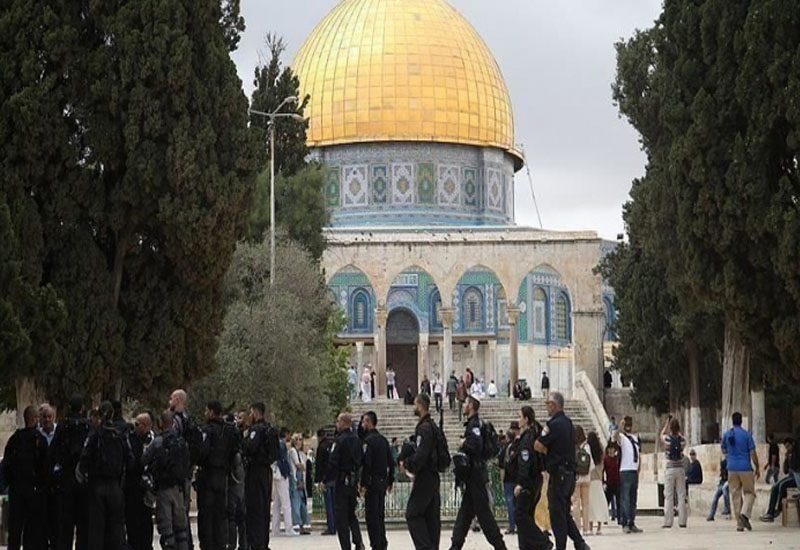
{"type": "Point", "coordinates": [332, 179]}
{"type": "Point", "coordinates": [494, 189]}
{"type": "Point", "coordinates": [470, 186]}
{"type": "Point", "coordinates": [425, 183]}
{"type": "Point", "coordinates": [402, 183]}
{"type": "Point", "coordinates": [355, 189]}
{"type": "Point", "coordinates": [448, 185]}
{"type": "Point", "coordinates": [380, 179]}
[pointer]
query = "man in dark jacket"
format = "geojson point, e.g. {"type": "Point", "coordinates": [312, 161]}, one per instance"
{"type": "Point", "coordinates": [138, 517]}
{"type": "Point", "coordinates": [260, 449]}
{"type": "Point", "coordinates": [344, 464]}
{"type": "Point", "coordinates": [325, 442]}
{"type": "Point", "coordinates": [212, 479]}
{"type": "Point", "coordinates": [377, 477]}
{"type": "Point", "coordinates": [24, 467]}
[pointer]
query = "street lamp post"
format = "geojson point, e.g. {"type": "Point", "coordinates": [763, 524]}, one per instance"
{"type": "Point", "coordinates": [271, 123]}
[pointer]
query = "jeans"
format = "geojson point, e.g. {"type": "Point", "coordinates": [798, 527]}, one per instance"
{"type": "Point", "coordinates": [796, 474]}
{"type": "Point", "coordinates": [612, 497]}
{"type": "Point", "coordinates": [328, 497]}
{"type": "Point", "coordinates": [722, 491]}
{"type": "Point", "coordinates": [778, 493]}
{"type": "Point", "coordinates": [629, 486]}
{"type": "Point", "coordinates": [508, 493]}
{"type": "Point", "coordinates": [772, 473]}
{"type": "Point", "coordinates": [299, 505]}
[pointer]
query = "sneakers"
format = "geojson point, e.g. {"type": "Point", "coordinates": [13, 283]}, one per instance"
{"type": "Point", "coordinates": [746, 522]}
{"type": "Point", "coordinates": [766, 518]}
{"type": "Point", "coordinates": [635, 529]}
{"type": "Point", "coordinates": [710, 518]}
{"type": "Point", "coordinates": [626, 529]}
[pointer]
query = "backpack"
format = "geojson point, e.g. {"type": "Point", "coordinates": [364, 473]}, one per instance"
{"type": "Point", "coordinates": [111, 454]}
{"type": "Point", "coordinates": [491, 441]}
{"type": "Point", "coordinates": [172, 465]}
{"type": "Point", "coordinates": [76, 430]}
{"type": "Point", "coordinates": [196, 440]}
{"type": "Point", "coordinates": [583, 462]}
{"type": "Point", "coordinates": [674, 451]}
{"type": "Point", "coordinates": [283, 461]}
{"type": "Point", "coordinates": [443, 459]}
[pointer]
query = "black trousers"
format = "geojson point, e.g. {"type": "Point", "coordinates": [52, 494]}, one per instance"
{"type": "Point", "coordinates": [423, 511]}
{"type": "Point", "coordinates": [529, 535]}
{"type": "Point", "coordinates": [344, 516]}
{"type": "Point", "coordinates": [389, 391]}
{"type": "Point", "coordinates": [451, 399]}
{"type": "Point", "coordinates": [73, 521]}
{"type": "Point", "coordinates": [138, 520]}
{"type": "Point", "coordinates": [437, 399]}
{"type": "Point", "coordinates": [475, 503]}
{"type": "Point", "coordinates": [237, 517]}
{"type": "Point", "coordinates": [559, 494]}
{"type": "Point", "coordinates": [25, 518]}
{"type": "Point", "coordinates": [375, 515]}
{"type": "Point", "coordinates": [50, 510]}
{"type": "Point", "coordinates": [106, 515]}
{"type": "Point", "coordinates": [212, 519]}
{"type": "Point", "coordinates": [257, 496]}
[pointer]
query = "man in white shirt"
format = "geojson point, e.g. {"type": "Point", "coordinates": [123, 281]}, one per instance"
{"type": "Point", "coordinates": [630, 449]}
{"type": "Point", "coordinates": [492, 390]}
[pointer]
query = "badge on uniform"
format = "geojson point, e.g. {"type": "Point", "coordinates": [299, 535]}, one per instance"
{"type": "Point", "coordinates": [525, 454]}
{"type": "Point", "coordinates": [419, 440]}
{"type": "Point", "coordinates": [476, 431]}
{"type": "Point", "coordinates": [252, 435]}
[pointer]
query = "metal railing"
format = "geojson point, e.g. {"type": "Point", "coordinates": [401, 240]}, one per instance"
{"type": "Point", "coordinates": [450, 497]}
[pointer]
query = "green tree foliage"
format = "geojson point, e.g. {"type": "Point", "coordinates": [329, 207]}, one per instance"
{"type": "Point", "coordinates": [277, 345]}
{"type": "Point", "coordinates": [135, 151]}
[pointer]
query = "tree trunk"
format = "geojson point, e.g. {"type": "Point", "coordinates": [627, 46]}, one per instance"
{"type": "Point", "coordinates": [758, 422]}
{"type": "Point", "coordinates": [735, 377]}
{"type": "Point", "coordinates": [27, 394]}
{"type": "Point", "coordinates": [120, 252]}
{"type": "Point", "coordinates": [693, 426]}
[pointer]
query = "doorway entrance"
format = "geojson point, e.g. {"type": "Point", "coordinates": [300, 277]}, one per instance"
{"type": "Point", "coordinates": [402, 339]}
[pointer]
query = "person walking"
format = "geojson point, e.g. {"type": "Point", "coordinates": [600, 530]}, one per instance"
{"type": "Point", "coordinates": [366, 386]}
{"type": "Point", "coordinates": [545, 385]}
{"type": "Point", "coordinates": [461, 397]}
{"type": "Point", "coordinates": [630, 446]}
{"type": "Point", "coordinates": [674, 475]}
{"type": "Point", "coordinates": [528, 465]}
{"type": "Point", "coordinates": [475, 499]}
{"type": "Point", "coordinates": [611, 479]}
{"type": "Point", "coordinates": [260, 449]}
{"type": "Point", "coordinates": [437, 392]}
{"type": "Point", "coordinates": [583, 467]}
{"type": "Point", "coordinates": [423, 511]}
{"type": "Point", "coordinates": [390, 379]}
{"type": "Point", "coordinates": [343, 466]}
{"type": "Point", "coordinates": [452, 384]}
{"type": "Point", "coordinates": [722, 491]}
{"type": "Point", "coordinates": [557, 443]}
{"type": "Point", "coordinates": [377, 477]}
{"type": "Point", "coordinates": [743, 470]}
{"type": "Point", "coordinates": [598, 507]}
{"type": "Point", "coordinates": [325, 442]}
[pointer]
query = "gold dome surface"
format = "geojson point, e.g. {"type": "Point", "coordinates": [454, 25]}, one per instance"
{"type": "Point", "coordinates": [402, 70]}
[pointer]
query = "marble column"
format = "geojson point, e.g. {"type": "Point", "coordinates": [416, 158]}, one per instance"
{"type": "Point", "coordinates": [360, 355]}
{"type": "Point", "coordinates": [423, 366]}
{"type": "Point", "coordinates": [513, 375]}
{"type": "Point", "coordinates": [491, 365]}
{"type": "Point", "coordinates": [473, 347]}
{"type": "Point", "coordinates": [447, 339]}
{"type": "Point", "coordinates": [380, 343]}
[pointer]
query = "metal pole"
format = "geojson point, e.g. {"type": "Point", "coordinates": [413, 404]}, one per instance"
{"type": "Point", "coordinates": [271, 201]}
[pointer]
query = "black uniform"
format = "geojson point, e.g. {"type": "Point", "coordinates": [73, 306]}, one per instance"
{"type": "Point", "coordinates": [212, 484]}
{"type": "Point", "coordinates": [376, 476]}
{"type": "Point", "coordinates": [475, 501]}
{"type": "Point", "coordinates": [105, 458]}
{"type": "Point", "coordinates": [236, 509]}
{"type": "Point", "coordinates": [183, 424]}
{"type": "Point", "coordinates": [71, 434]}
{"type": "Point", "coordinates": [344, 464]}
{"type": "Point", "coordinates": [138, 517]}
{"type": "Point", "coordinates": [423, 512]}
{"type": "Point", "coordinates": [528, 466]}
{"type": "Point", "coordinates": [320, 470]}
{"type": "Point", "coordinates": [559, 438]}
{"type": "Point", "coordinates": [25, 469]}
{"type": "Point", "coordinates": [260, 450]}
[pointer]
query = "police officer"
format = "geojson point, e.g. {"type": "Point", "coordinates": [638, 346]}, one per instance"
{"type": "Point", "coordinates": [71, 434]}
{"type": "Point", "coordinates": [212, 479]}
{"type": "Point", "coordinates": [25, 469]}
{"type": "Point", "coordinates": [423, 511]}
{"type": "Point", "coordinates": [104, 460]}
{"type": "Point", "coordinates": [236, 510]}
{"type": "Point", "coordinates": [167, 461]}
{"type": "Point", "coordinates": [344, 464]}
{"type": "Point", "coordinates": [557, 442]}
{"type": "Point", "coordinates": [320, 468]}
{"type": "Point", "coordinates": [260, 450]}
{"type": "Point", "coordinates": [475, 500]}
{"type": "Point", "coordinates": [377, 477]}
{"type": "Point", "coordinates": [138, 516]}
{"type": "Point", "coordinates": [527, 465]}
{"type": "Point", "coordinates": [178, 400]}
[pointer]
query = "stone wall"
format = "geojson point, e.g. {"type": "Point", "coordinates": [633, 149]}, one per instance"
{"type": "Point", "coordinates": [618, 404]}
{"type": "Point", "coordinates": [8, 423]}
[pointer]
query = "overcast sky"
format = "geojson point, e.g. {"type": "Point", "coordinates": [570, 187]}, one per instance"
{"type": "Point", "coordinates": [558, 60]}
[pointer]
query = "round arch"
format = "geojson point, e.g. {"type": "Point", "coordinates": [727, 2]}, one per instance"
{"type": "Point", "coordinates": [352, 291]}
{"type": "Point", "coordinates": [541, 298]}
{"type": "Point", "coordinates": [480, 301]}
{"type": "Point", "coordinates": [412, 288]}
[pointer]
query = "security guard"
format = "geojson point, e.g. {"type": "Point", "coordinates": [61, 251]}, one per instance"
{"type": "Point", "coordinates": [475, 500]}
{"type": "Point", "coordinates": [105, 458]}
{"type": "Point", "coordinates": [528, 465]}
{"type": "Point", "coordinates": [25, 468]}
{"type": "Point", "coordinates": [71, 434]}
{"type": "Point", "coordinates": [343, 466]}
{"type": "Point", "coordinates": [377, 477]}
{"type": "Point", "coordinates": [423, 512]}
{"type": "Point", "coordinates": [138, 516]}
{"type": "Point", "coordinates": [260, 450]}
{"type": "Point", "coordinates": [237, 518]}
{"type": "Point", "coordinates": [557, 442]}
{"type": "Point", "coordinates": [212, 479]}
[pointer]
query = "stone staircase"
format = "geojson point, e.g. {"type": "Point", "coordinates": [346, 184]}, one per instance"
{"type": "Point", "coordinates": [398, 420]}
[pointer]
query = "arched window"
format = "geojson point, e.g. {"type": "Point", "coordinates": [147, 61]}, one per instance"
{"type": "Point", "coordinates": [562, 318]}
{"type": "Point", "coordinates": [539, 314]}
{"type": "Point", "coordinates": [360, 319]}
{"type": "Point", "coordinates": [436, 306]}
{"type": "Point", "coordinates": [473, 309]}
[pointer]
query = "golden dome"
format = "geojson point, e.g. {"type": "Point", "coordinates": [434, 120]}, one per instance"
{"type": "Point", "coordinates": [402, 70]}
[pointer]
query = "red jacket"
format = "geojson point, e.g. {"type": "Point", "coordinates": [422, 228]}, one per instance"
{"type": "Point", "coordinates": [611, 469]}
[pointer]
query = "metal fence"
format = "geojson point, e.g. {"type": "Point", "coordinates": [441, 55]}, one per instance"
{"type": "Point", "coordinates": [450, 496]}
